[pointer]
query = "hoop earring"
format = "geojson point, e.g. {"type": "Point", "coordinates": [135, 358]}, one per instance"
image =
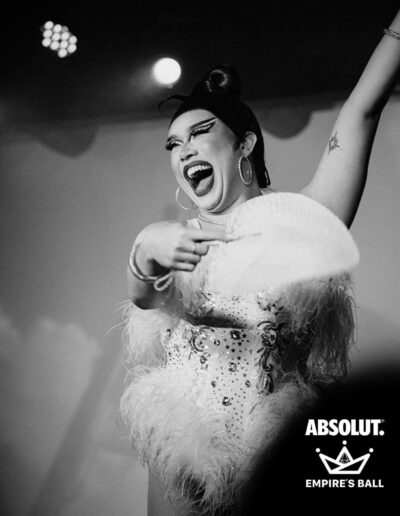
{"type": "Point", "coordinates": [249, 172]}
{"type": "Point", "coordinates": [181, 205]}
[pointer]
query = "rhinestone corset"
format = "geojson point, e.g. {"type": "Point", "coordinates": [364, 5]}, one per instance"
{"type": "Point", "coordinates": [223, 362]}
{"type": "Point", "coordinates": [230, 346]}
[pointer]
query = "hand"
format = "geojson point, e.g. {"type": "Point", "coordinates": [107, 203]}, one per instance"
{"type": "Point", "coordinates": [172, 245]}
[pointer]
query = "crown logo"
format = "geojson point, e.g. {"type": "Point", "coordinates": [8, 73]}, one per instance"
{"type": "Point", "coordinates": [344, 464]}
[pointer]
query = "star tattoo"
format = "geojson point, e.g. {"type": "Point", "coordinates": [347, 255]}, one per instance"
{"type": "Point", "coordinates": [333, 143]}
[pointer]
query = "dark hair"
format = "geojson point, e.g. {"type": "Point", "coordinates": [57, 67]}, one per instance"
{"type": "Point", "coordinates": [219, 91]}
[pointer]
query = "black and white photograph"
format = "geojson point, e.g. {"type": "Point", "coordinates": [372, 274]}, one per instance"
{"type": "Point", "coordinates": [200, 253]}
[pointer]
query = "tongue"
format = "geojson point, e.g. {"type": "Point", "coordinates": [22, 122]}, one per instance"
{"type": "Point", "coordinates": [204, 185]}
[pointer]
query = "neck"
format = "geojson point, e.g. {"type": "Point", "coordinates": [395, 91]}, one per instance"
{"type": "Point", "coordinates": [217, 219]}
{"type": "Point", "coordinates": [221, 216]}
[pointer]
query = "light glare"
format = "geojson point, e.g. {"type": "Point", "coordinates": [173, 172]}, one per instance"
{"type": "Point", "coordinates": [166, 71]}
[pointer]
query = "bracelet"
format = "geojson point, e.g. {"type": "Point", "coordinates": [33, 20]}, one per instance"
{"type": "Point", "coordinates": [392, 33]}
{"type": "Point", "coordinates": [160, 282]}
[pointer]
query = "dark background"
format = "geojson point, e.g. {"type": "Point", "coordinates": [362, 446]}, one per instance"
{"type": "Point", "coordinates": [282, 50]}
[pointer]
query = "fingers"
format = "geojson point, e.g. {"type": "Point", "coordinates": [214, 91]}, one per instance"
{"type": "Point", "coordinates": [210, 234]}
{"type": "Point", "coordinates": [184, 266]}
{"type": "Point", "coordinates": [187, 261]}
{"type": "Point", "coordinates": [192, 245]}
{"type": "Point", "coordinates": [188, 257]}
{"type": "Point", "coordinates": [200, 248]}
{"type": "Point", "coordinates": [193, 248]}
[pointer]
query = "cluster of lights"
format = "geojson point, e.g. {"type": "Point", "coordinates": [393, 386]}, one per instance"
{"type": "Point", "coordinates": [59, 39]}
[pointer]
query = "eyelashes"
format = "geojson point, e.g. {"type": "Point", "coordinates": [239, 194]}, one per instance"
{"type": "Point", "coordinates": [201, 130]}
{"type": "Point", "coordinates": [170, 145]}
{"type": "Point", "coordinates": [198, 130]}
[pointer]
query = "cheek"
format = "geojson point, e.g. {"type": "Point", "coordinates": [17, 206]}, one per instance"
{"type": "Point", "coordinates": [226, 157]}
{"type": "Point", "coordinates": [220, 151]}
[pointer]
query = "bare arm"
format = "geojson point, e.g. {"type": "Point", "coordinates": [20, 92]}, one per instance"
{"type": "Point", "coordinates": [141, 293]}
{"type": "Point", "coordinates": [340, 178]}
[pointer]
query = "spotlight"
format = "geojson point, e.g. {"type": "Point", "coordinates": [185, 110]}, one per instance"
{"type": "Point", "coordinates": [166, 71]}
{"type": "Point", "coordinates": [58, 38]}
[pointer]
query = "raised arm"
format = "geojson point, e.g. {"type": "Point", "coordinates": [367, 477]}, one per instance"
{"type": "Point", "coordinates": [340, 178]}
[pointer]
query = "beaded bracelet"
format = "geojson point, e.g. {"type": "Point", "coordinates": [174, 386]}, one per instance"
{"type": "Point", "coordinates": [392, 33]}
{"type": "Point", "coordinates": [160, 282]}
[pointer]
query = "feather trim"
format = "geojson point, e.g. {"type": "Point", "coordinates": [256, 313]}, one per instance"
{"type": "Point", "coordinates": [142, 334]}
{"type": "Point", "coordinates": [319, 315]}
{"type": "Point", "coordinates": [186, 444]}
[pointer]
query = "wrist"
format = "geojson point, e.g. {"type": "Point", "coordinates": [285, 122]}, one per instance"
{"type": "Point", "coordinates": [160, 281]}
{"type": "Point", "coordinates": [146, 261]}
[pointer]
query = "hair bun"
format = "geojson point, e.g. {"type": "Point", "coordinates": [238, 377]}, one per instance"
{"type": "Point", "coordinates": [224, 79]}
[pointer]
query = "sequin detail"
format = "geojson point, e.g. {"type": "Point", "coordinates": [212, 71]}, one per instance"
{"type": "Point", "coordinates": [247, 353]}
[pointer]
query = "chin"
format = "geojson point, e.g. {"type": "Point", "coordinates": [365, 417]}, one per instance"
{"type": "Point", "coordinates": [212, 202]}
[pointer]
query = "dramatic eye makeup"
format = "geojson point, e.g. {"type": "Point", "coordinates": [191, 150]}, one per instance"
{"type": "Point", "coordinates": [198, 128]}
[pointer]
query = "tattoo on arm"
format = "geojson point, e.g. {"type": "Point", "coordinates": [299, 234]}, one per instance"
{"type": "Point", "coordinates": [333, 143]}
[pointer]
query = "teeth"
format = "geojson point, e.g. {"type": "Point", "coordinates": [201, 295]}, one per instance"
{"type": "Point", "coordinates": [193, 170]}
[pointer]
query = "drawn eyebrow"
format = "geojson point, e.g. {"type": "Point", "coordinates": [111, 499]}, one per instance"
{"type": "Point", "coordinates": [174, 137]}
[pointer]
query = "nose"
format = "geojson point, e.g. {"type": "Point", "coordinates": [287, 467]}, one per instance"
{"type": "Point", "coordinates": [187, 151]}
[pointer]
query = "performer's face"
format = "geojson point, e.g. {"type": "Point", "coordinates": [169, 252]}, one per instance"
{"type": "Point", "coordinates": [204, 159]}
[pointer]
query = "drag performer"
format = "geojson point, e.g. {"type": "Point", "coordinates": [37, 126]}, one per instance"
{"type": "Point", "coordinates": [215, 376]}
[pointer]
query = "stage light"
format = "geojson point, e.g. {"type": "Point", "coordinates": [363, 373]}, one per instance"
{"type": "Point", "coordinates": [58, 37]}
{"type": "Point", "coordinates": [166, 71]}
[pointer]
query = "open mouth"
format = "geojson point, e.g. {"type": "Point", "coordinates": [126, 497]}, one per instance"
{"type": "Point", "coordinates": [200, 176]}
